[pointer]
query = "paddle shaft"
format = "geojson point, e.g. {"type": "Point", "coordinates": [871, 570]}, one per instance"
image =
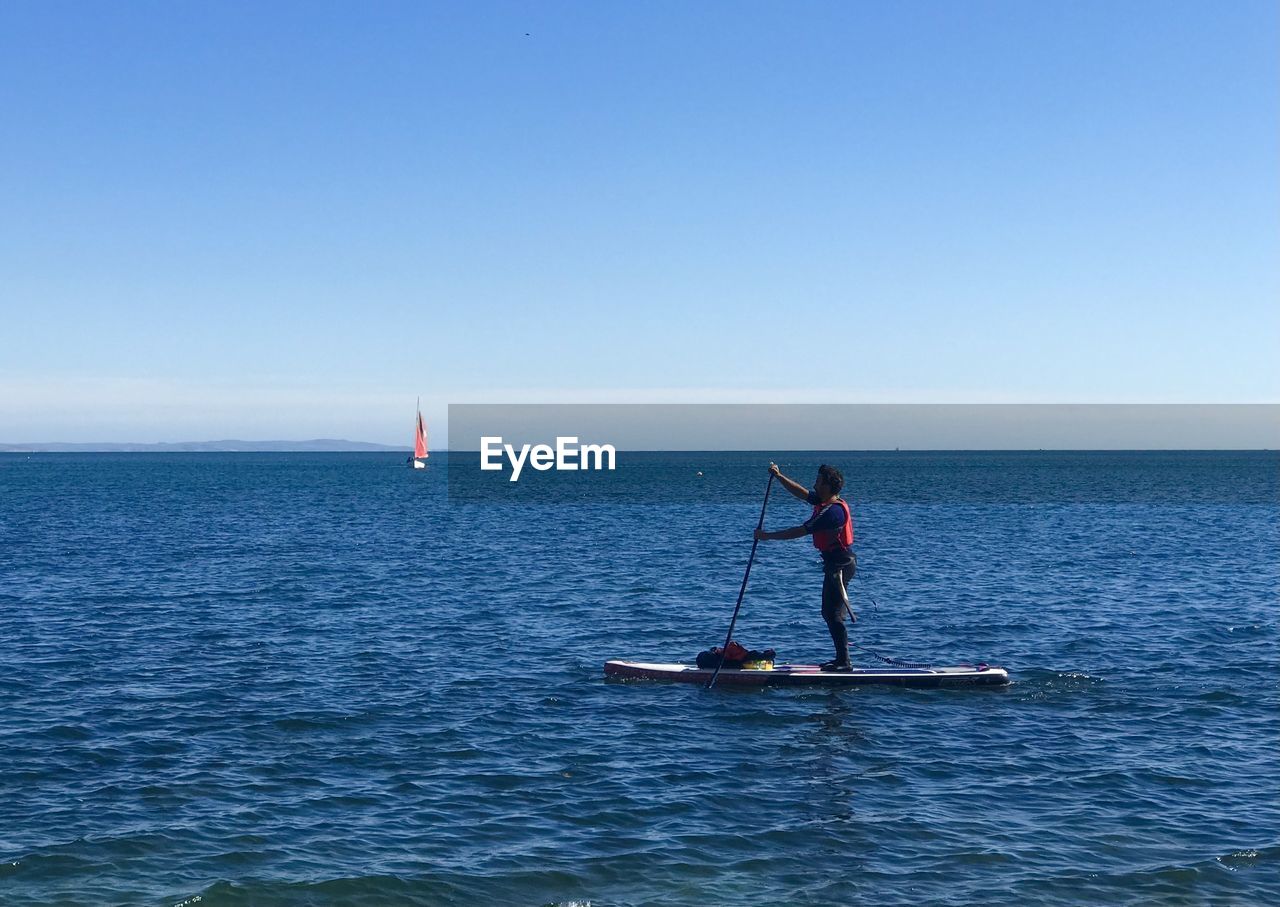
{"type": "Point", "coordinates": [743, 591]}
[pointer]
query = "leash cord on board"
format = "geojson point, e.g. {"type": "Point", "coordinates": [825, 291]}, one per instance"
{"type": "Point", "coordinates": [897, 663]}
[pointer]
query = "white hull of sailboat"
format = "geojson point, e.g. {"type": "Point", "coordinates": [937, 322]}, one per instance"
{"type": "Point", "coordinates": [418, 464]}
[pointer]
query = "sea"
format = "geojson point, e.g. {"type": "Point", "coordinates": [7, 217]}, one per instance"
{"type": "Point", "coordinates": [327, 679]}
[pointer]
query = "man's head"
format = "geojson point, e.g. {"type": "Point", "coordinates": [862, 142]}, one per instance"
{"type": "Point", "coordinates": [829, 481]}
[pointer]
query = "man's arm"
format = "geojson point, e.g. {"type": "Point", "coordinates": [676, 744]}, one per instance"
{"type": "Point", "coordinates": [791, 485]}
{"type": "Point", "coordinates": [782, 535]}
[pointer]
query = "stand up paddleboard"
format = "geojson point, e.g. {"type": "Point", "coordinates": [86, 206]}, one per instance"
{"type": "Point", "coordinates": [786, 675]}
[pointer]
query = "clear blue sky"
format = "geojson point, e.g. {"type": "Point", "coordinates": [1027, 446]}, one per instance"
{"type": "Point", "coordinates": [275, 220]}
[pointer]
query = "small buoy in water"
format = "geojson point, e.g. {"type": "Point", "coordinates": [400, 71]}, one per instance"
{"type": "Point", "coordinates": [699, 473]}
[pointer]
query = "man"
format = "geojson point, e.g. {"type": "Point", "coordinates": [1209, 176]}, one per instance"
{"type": "Point", "coordinates": [831, 525]}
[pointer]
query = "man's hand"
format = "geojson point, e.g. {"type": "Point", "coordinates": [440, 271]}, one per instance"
{"type": "Point", "coordinates": [775, 471]}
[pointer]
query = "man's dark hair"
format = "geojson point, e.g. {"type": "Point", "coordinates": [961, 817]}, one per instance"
{"type": "Point", "coordinates": [832, 476]}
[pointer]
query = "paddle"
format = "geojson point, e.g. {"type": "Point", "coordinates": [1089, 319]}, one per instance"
{"type": "Point", "coordinates": [743, 591]}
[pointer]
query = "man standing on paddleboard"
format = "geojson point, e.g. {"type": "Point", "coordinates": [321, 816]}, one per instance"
{"type": "Point", "coordinates": [831, 525]}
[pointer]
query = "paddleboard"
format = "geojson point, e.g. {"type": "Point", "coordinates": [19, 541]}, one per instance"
{"type": "Point", "coordinates": [785, 675]}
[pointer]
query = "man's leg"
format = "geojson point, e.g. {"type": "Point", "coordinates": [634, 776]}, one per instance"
{"type": "Point", "coordinates": [846, 575]}
{"type": "Point", "coordinates": [835, 605]}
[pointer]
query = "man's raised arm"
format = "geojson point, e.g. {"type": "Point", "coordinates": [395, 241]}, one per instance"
{"type": "Point", "coordinates": [790, 484]}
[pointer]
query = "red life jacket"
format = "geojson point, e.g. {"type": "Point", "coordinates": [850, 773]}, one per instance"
{"type": "Point", "coordinates": [828, 540]}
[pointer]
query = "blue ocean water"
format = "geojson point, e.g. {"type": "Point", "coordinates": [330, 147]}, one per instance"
{"type": "Point", "coordinates": [287, 679]}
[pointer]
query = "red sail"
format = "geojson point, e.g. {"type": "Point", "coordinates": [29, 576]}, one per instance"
{"type": "Point", "coordinates": [420, 440]}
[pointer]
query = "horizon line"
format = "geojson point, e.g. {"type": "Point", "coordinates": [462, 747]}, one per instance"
{"type": "Point", "coordinates": [91, 447]}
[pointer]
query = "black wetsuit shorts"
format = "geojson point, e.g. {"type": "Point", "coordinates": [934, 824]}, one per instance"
{"type": "Point", "coordinates": [835, 589]}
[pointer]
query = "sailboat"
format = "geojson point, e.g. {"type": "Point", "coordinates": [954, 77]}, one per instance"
{"type": "Point", "coordinates": [419, 441]}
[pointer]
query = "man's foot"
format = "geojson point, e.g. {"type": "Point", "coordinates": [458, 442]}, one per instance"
{"type": "Point", "coordinates": [837, 667]}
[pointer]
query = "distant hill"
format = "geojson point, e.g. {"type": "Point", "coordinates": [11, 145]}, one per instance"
{"type": "Point", "coordinates": [316, 445]}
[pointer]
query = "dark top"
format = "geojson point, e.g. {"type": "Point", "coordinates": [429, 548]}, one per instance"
{"type": "Point", "coordinates": [829, 519]}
